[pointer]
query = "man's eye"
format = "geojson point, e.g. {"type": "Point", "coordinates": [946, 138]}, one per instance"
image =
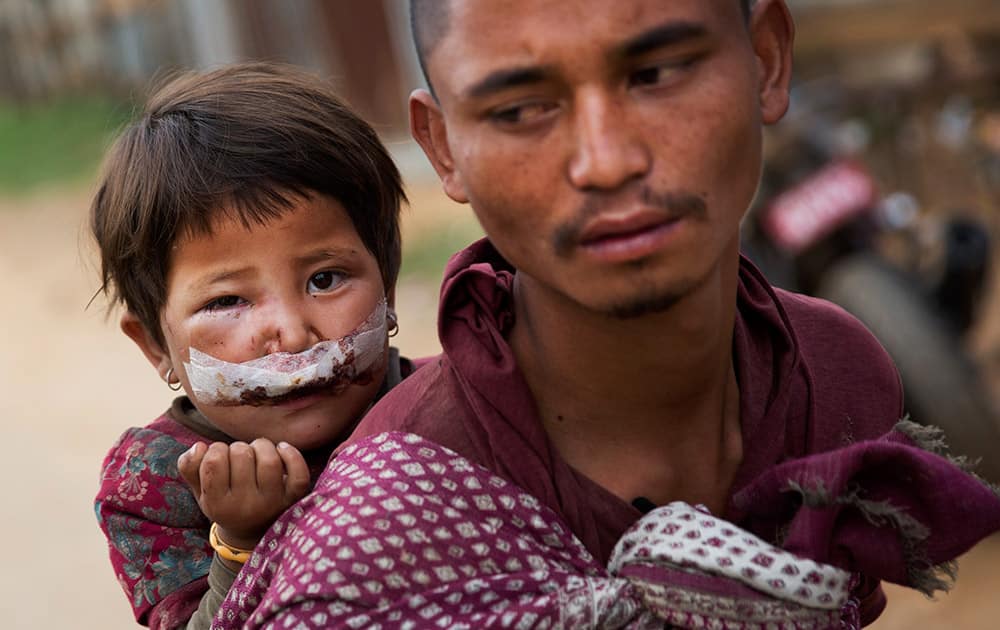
{"type": "Point", "coordinates": [324, 281]}
{"type": "Point", "coordinates": [657, 75]}
{"type": "Point", "coordinates": [224, 302]}
{"type": "Point", "coordinates": [521, 114]}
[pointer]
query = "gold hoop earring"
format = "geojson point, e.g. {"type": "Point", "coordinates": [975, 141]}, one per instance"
{"type": "Point", "coordinates": [174, 387]}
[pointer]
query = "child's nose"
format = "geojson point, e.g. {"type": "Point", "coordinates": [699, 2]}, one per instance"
{"type": "Point", "coordinates": [287, 331]}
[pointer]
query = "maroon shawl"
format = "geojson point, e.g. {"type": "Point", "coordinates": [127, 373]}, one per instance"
{"type": "Point", "coordinates": [811, 379]}
{"type": "Point", "coordinates": [401, 532]}
{"type": "Point", "coordinates": [819, 399]}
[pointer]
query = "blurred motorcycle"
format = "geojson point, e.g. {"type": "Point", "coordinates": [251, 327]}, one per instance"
{"type": "Point", "coordinates": [821, 226]}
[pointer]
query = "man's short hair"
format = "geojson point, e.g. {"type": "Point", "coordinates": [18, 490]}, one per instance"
{"type": "Point", "coordinates": [429, 24]}
{"type": "Point", "coordinates": [240, 142]}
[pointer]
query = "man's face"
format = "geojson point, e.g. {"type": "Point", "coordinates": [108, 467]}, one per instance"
{"type": "Point", "coordinates": [609, 149]}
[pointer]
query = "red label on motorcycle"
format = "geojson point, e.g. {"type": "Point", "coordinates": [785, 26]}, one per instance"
{"type": "Point", "coordinates": [820, 204]}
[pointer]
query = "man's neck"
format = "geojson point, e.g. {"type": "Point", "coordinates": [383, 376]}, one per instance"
{"type": "Point", "coordinates": [639, 405]}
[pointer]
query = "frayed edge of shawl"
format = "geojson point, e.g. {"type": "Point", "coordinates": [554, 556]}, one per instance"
{"type": "Point", "coordinates": [921, 575]}
{"type": "Point", "coordinates": [932, 439]}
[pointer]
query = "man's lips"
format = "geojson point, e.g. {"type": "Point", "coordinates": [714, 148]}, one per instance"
{"type": "Point", "coordinates": [627, 236]}
{"type": "Point", "coordinates": [622, 225]}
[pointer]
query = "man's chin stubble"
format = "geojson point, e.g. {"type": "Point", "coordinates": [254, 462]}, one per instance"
{"type": "Point", "coordinates": [648, 299]}
{"type": "Point", "coordinates": [648, 304]}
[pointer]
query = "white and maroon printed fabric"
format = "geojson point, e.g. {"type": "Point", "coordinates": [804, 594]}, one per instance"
{"type": "Point", "coordinates": [403, 533]}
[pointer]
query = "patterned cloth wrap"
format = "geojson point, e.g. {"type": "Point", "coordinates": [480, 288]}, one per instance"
{"type": "Point", "coordinates": [698, 571]}
{"type": "Point", "coordinates": [405, 533]}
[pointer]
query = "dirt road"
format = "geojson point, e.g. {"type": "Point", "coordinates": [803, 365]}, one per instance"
{"type": "Point", "coordinates": [71, 383]}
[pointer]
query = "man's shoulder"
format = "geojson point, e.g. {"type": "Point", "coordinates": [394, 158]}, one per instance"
{"type": "Point", "coordinates": [816, 329]}
{"type": "Point", "coordinates": [823, 329]}
{"type": "Point", "coordinates": [428, 403]}
{"type": "Point", "coordinates": [428, 390]}
{"type": "Point", "coordinates": [854, 380]}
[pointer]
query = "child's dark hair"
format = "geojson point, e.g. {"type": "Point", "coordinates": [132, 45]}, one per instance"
{"type": "Point", "coordinates": [241, 141]}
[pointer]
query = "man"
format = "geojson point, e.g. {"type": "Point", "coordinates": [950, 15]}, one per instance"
{"type": "Point", "coordinates": [607, 350]}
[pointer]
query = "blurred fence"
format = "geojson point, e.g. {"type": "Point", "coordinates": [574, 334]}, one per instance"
{"type": "Point", "coordinates": [51, 47]}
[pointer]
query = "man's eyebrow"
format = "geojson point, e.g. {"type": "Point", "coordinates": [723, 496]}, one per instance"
{"type": "Point", "coordinates": [508, 78]}
{"type": "Point", "coordinates": [661, 36]}
{"type": "Point", "coordinates": [658, 37]}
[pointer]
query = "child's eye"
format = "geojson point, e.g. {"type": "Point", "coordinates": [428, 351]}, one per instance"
{"type": "Point", "coordinates": [324, 281]}
{"type": "Point", "coordinates": [224, 302]}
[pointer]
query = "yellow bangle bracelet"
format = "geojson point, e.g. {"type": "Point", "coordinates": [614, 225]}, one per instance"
{"type": "Point", "coordinates": [225, 550]}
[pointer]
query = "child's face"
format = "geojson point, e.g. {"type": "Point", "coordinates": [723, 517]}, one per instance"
{"type": "Point", "coordinates": [240, 294]}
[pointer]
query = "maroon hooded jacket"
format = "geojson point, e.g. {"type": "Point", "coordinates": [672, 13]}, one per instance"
{"type": "Point", "coordinates": [812, 380]}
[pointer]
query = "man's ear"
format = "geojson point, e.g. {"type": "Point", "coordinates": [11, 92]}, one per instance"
{"type": "Point", "coordinates": [428, 129]}
{"type": "Point", "coordinates": [772, 32]}
{"type": "Point", "coordinates": [157, 356]}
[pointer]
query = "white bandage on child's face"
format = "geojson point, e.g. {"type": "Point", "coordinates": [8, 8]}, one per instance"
{"type": "Point", "coordinates": [329, 365]}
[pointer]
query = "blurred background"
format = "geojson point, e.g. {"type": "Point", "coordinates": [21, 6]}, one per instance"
{"type": "Point", "coordinates": [882, 193]}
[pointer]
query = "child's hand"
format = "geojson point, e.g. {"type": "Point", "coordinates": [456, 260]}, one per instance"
{"type": "Point", "coordinates": [244, 487]}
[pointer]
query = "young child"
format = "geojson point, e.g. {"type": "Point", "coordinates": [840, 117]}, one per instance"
{"type": "Point", "coordinates": [248, 222]}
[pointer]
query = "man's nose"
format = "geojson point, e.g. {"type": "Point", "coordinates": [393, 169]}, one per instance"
{"type": "Point", "coordinates": [285, 329]}
{"type": "Point", "coordinates": [608, 151]}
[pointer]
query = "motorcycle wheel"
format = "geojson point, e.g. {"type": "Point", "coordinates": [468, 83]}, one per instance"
{"type": "Point", "coordinates": [940, 382]}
